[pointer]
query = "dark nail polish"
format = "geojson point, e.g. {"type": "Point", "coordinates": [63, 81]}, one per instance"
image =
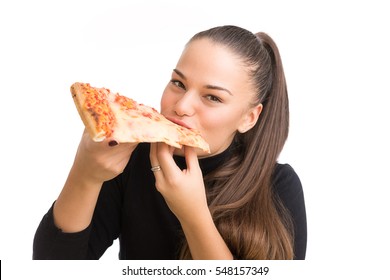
{"type": "Point", "coordinates": [112, 143]}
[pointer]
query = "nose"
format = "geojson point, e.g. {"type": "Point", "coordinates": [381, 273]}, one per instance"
{"type": "Point", "coordinates": [185, 106]}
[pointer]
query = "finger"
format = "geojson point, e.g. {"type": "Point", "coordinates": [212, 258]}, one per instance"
{"type": "Point", "coordinates": [152, 154]}
{"type": "Point", "coordinates": [191, 159]}
{"type": "Point", "coordinates": [165, 157]}
{"type": "Point", "coordinates": [158, 174]}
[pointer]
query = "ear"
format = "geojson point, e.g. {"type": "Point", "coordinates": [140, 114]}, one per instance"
{"type": "Point", "coordinates": [250, 118]}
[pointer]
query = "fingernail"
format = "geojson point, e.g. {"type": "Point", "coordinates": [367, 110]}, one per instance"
{"type": "Point", "coordinates": [112, 143]}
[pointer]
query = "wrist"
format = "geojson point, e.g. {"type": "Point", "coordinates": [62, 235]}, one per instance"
{"type": "Point", "coordinates": [204, 240]}
{"type": "Point", "coordinates": [84, 179]}
{"type": "Point", "coordinates": [74, 207]}
{"type": "Point", "coordinates": [198, 219]}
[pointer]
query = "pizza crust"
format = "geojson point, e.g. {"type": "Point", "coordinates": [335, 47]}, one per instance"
{"type": "Point", "coordinates": [87, 118]}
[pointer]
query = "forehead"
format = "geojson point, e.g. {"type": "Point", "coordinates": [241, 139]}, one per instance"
{"type": "Point", "coordinates": [213, 63]}
{"type": "Point", "coordinates": [205, 49]}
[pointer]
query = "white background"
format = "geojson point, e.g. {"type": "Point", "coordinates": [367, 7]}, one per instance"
{"type": "Point", "coordinates": [336, 59]}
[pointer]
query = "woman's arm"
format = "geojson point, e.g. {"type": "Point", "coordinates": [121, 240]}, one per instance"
{"type": "Point", "coordinates": [94, 163]}
{"type": "Point", "coordinates": [204, 240]}
{"type": "Point", "coordinates": [185, 195]}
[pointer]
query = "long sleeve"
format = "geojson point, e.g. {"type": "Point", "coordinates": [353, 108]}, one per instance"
{"type": "Point", "coordinates": [51, 243]}
{"type": "Point", "coordinates": [91, 243]}
{"type": "Point", "coordinates": [289, 189]}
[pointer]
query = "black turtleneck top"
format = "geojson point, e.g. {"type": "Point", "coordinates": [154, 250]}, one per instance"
{"type": "Point", "coordinates": [130, 208]}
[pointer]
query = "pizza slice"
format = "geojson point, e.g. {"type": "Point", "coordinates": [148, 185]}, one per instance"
{"type": "Point", "coordinates": [107, 114]}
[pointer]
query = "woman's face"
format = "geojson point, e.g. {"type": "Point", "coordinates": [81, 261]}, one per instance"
{"type": "Point", "coordinates": [210, 91]}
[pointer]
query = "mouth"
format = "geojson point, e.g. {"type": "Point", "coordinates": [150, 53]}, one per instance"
{"type": "Point", "coordinates": [179, 122]}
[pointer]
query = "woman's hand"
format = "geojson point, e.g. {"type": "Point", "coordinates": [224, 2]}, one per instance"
{"type": "Point", "coordinates": [185, 194]}
{"type": "Point", "coordinates": [101, 161]}
{"type": "Point", "coordinates": [183, 190]}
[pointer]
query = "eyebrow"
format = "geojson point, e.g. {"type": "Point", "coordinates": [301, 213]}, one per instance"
{"type": "Point", "coordinates": [206, 86]}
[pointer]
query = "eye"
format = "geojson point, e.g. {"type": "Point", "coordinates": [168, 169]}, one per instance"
{"type": "Point", "coordinates": [213, 98]}
{"type": "Point", "coordinates": [178, 84]}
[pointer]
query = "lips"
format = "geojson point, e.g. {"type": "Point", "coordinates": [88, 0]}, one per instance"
{"type": "Point", "coordinates": [179, 122]}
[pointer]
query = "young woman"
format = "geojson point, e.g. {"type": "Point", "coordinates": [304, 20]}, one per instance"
{"type": "Point", "coordinates": [165, 203]}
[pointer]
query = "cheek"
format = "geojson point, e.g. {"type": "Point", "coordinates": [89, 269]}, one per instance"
{"type": "Point", "coordinates": [219, 129]}
{"type": "Point", "coordinates": [166, 101]}
{"type": "Point", "coordinates": [225, 121]}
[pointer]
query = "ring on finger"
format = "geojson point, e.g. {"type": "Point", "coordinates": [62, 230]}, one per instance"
{"type": "Point", "coordinates": [156, 168]}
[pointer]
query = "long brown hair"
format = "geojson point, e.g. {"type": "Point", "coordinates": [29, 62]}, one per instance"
{"type": "Point", "coordinates": [245, 209]}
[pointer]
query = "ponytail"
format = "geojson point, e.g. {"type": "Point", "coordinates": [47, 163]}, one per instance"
{"type": "Point", "coordinates": [252, 221]}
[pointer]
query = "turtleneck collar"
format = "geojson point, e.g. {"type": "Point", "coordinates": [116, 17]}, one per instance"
{"type": "Point", "coordinates": [207, 164]}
